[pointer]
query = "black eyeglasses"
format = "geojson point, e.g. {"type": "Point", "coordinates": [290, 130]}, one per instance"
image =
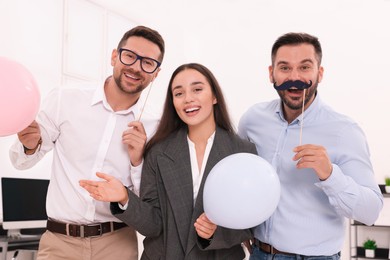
{"type": "Point", "coordinates": [128, 57]}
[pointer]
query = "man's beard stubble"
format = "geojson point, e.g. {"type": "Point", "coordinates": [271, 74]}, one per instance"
{"type": "Point", "coordinates": [119, 82]}
{"type": "Point", "coordinates": [310, 92]}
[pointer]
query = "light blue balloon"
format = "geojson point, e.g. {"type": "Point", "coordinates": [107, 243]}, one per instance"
{"type": "Point", "coordinates": [241, 191]}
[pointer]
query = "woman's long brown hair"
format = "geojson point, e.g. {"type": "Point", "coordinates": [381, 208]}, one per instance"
{"type": "Point", "coordinates": [171, 122]}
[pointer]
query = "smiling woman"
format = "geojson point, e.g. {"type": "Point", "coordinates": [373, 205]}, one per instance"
{"type": "Point", "coordinates": [193, 100]}
{"type": "Point", "coordinates": [194, 134]}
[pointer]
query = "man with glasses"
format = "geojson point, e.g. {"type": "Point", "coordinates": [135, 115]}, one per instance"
{"type": "Point", "coordinates": [321, 157]}
{"type": "Point", "coordinates": [94, 130]}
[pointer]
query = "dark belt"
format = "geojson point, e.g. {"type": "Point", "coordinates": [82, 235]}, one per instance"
{"type": "Point", "coordinates": [92, 230]}
{"type": "Point", "coordinates": [272, 250]}
{"type": "Point", "coordinates": [269, 249]}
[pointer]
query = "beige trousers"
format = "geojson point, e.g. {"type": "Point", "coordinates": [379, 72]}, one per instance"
{"type": "Point", "coordinates": [120, 244]}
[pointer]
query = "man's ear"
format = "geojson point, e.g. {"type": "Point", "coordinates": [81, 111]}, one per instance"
{"type": "Point", "coordinates": [114, 55]}
{"type": "Point", "coordinates": [270, 71]}
{"type": "Point", "coordinates": [320, 74]}
{"type": "Point", "coordinates": [156, 74]}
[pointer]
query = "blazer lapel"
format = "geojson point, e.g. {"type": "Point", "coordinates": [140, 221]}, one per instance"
{"type": "Point", "coordinates": [220, 149]}
{"type": "Point", "coordinates": [177, 178]}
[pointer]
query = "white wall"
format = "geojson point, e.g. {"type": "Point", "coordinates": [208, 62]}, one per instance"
{"type": "Point", "coordinates": [231, 37]}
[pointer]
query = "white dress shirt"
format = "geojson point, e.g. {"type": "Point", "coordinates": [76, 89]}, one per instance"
{"type": "Point", "coordinates": [86, 137]}
{"type": "Point", "coordinates": [197, 174]}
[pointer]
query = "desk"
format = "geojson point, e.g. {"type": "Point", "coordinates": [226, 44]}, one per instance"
{"type": "Point", "coordinates": [23, 242]}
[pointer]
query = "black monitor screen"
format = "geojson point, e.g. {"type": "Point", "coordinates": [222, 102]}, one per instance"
{"type": "Point", "coordinates": [23, 199]}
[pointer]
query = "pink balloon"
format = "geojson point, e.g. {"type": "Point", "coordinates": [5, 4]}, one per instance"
{"type": "Point", "coordinates": [19, 97]}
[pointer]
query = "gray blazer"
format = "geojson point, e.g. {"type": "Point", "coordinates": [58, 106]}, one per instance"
{"type": "Point", "coordinates": [165, 213]}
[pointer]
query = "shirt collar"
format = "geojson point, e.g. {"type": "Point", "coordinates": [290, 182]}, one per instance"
{"type": "Point", "coordinates": [209, 140]}
{"type": "Point", "coordinates": [99, 97]}
{"type": "Point", "coordinates": [308, 113]}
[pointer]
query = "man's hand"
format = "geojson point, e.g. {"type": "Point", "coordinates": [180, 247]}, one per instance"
{"type": "Point", "coordinates": [30, 137]}
{"type": "Point", "coordinates": [315, 157]}
{"type": "Point", "coordinates": [108, 190]}
{"type": "Point", "coordinates": [135, 138]}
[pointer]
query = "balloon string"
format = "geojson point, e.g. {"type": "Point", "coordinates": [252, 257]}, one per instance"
{"type": "Point", "coordinates": [146, 99]}
{"type": "Point", "coordinates": [303, 111]}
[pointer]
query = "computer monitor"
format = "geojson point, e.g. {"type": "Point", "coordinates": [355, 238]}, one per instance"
{"type": "Point", "coordinates": [24, 204]}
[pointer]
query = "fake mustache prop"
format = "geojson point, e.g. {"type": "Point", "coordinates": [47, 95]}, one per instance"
{"type": "Point", "coordinates": [296, 83]}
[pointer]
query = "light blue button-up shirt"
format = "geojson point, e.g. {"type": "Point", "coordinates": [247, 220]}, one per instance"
{"type": "Point", "coordinates": [310, 216]}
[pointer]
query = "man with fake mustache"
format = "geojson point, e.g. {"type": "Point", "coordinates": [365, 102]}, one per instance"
{"type": "Point", "coordinates": [327, 178]}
